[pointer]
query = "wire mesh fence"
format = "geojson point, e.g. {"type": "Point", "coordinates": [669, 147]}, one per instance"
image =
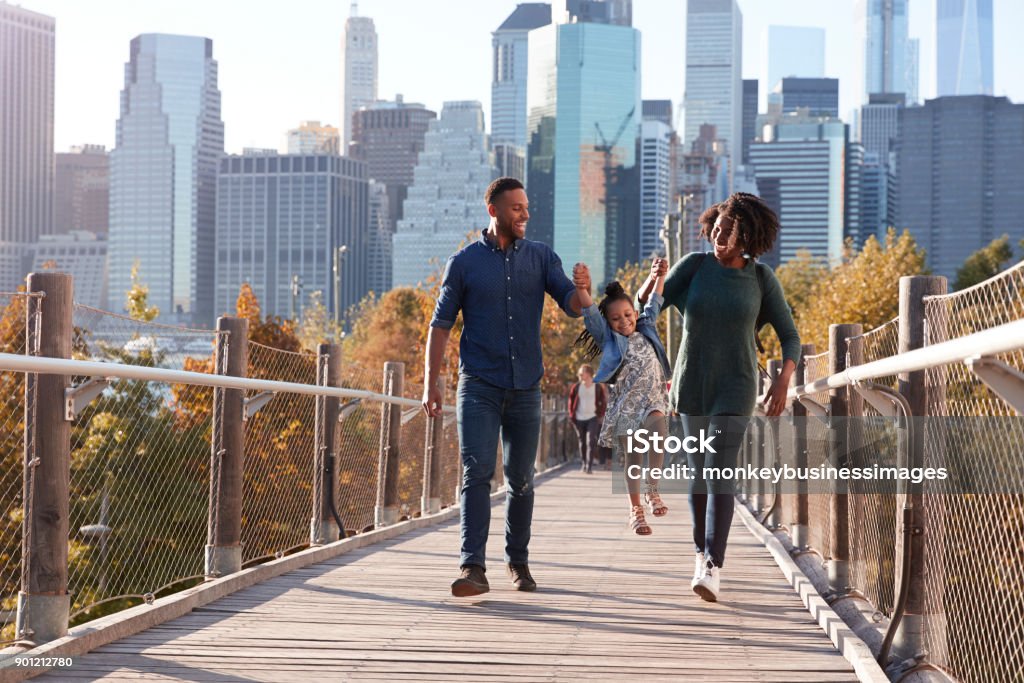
{"type": "Point", "coordinates": [873, 513]}
{"type": "Point", "coordinates": [277, 497]}
{"type": "Point", "coordinates": [974, 544]}
{"type": "Point", "coordinates": [139, 467]}
{"type": "Point", "coordinates": [18, 309]}
{"type": "Point", "coordinates": [819, 528]}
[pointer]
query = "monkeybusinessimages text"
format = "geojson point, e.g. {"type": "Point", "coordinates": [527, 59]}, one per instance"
{"type": "Point", "coordinates": [644, 441]}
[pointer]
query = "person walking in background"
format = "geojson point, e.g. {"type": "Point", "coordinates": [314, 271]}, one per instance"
{"type": "Point", "coordinates": [498, 283]}
{"type": "Point", "coordinates": [633, 357]}
{"type": "Point", "coordinates": [722, 297]}
{"type": "Point", "coordinates": [587, 402]}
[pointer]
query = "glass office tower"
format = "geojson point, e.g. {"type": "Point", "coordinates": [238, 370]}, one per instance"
{"type": "Point", "coordinates": [163, 176]}
{"type": "Point", "coordinates": [583, 121]}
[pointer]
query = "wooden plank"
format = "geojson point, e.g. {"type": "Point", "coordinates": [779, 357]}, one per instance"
{"type": "Point", "coordinates": [610, 605]}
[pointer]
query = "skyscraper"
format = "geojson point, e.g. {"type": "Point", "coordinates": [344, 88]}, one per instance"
{"type": "Point", "coordinates": [446, 198]}
{"type": "Point", "coordinates": [714, 86]}
{"type": "Point", "coordinates": [880, 123]}
{"type": "Point", "coordinates": [584, 112]}
{"type": "Point", "coordinates": [800, 162]}
{"type": "Point", "coordinates": [797, 51]}
{"type": "Point", "coordinates": [312, 138]}
{"type": "Point", "coordinates": [282, 217]}
{"type": "Point", "coordinates": [656, 139]}
{"type": "Point", "coordinates": [881, 28]}
{"type": "Point", "coordinates": [389, 137]}
{"type": "Point", "coordinates": [163, 176]}
{"type": "Point", "coordinates": [749, 116]}
{"type": "Point", "coordinates": [358, 70]}
{"type": "Point", "coordinates": [508, 80]}
{"type": "Point", "coordinates": [963, 47]}
{"type": "Point", "coordinates": [26, 137]}
{"type": "Point", "coordinates": [913, 78]}
{"type": "Point", "coordinates": [815, 96]}
{"type": "Point", "coordinates": [82, 191]}
{"type": "Point", "coordinates": [960, 164]}
{"type": "Point", "coordinates": [83, 255]}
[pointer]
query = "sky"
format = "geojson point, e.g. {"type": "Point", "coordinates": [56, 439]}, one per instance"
{"type": "Point", "coordinates": [279, 63]}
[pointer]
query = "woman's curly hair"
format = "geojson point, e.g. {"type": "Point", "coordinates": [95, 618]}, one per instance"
{"type": "Point", "coordinates": [612, 292]}
{"type": "Point", "coordinates": [758, 225]}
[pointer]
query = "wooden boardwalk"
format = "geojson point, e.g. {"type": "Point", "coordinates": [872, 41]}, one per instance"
{"type": "Point", "coordinates": [610, 606]}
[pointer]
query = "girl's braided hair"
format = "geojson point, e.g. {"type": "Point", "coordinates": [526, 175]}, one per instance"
{"type": "Point", "coordinates": [757, 223]}
{"type": "Point", "coordinates": [612, 292]}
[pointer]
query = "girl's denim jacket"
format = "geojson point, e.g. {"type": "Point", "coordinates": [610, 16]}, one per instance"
{"type": "Point", "coordinates": [613, 345]}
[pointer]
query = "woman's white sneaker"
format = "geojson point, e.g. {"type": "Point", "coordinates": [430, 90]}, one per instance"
{"type": "Point", "coordinates": [708, 584]}
{"type": "Point", "coordinates": [698, 569]}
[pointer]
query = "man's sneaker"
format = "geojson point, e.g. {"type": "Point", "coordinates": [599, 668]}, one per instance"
{"type": "Point", "coordinates": [707, 586]}
{"type": "Point", "coordinates": [520, 576]}
{"type": "Point", "coordinates": [472, 582]}
{"type": "Point", "coordinates": [698, 569]}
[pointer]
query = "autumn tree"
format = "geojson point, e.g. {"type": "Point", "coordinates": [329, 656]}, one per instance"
{"type": "Point", "coordinates": [317, 325]}
{"type": "Point", "coordinates": [12, 427]}
{"type": "Point", "coordinates": [985, 263]}
{"type": "Point", "coordinates": [862, 288]}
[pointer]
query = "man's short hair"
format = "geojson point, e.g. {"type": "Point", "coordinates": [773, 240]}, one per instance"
{"type": "Point", "coordinates": [500, 185]}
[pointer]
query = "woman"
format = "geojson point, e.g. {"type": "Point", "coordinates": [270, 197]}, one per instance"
{"type": "Point", "coordinates": [714, 383]}
{"type": "Point", "coordinates": [587, 401]}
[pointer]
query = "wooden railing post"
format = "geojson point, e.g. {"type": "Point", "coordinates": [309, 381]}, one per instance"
{"type": "Point", "coordinates": [323, 528]}
{"type": "Point", "coordinates": [910, 635]}
{"type": "Point", "coordinates": [801, 513]}
{"type": "Point", "coordinates": [44, 602]}
{"type": "Point", "coordinates": [224, 524]}
{"type": "Point", "coordinates": [433, 466]}
{"type": "Point", "coordinates": [386, 511]}
{"type": "Point", "coordinates": [839, 410]}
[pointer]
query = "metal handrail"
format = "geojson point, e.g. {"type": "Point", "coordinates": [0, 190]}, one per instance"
{"type": "Point", "coordinates": [84, 368]}
{"type": "Point", "coordinates": [995, 340]}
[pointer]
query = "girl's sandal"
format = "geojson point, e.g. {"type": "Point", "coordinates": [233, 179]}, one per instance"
{"type": "Point", "coordinates": [637, 524]}
{"type": "Point", "coordinates": [654, 502]}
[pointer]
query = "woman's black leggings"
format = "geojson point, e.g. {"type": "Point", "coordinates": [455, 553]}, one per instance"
{"type": "Point", "coordinates": [712, 500]}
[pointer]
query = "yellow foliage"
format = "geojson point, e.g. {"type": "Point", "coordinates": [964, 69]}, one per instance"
{"type": "Point", "coordinates": [862, 288]}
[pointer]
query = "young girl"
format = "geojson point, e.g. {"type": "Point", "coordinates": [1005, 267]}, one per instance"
{"type": "Point", "coordinates": [634, 359]}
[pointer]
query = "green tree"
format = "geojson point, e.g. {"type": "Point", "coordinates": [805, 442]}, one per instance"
{"type": "Point", "coordinates": [140, 473]}
{"type": "Point", "coordinates": [985, 263]}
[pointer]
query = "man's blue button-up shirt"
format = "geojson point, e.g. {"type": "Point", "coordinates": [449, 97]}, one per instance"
{"type": "Point", "coordinates": [501, 296]}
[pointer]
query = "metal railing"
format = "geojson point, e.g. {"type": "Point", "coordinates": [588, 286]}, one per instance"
{"type": "Point", "coordinates": [187, 454]}
{"type": "Point", "coordinates": [932, 579]}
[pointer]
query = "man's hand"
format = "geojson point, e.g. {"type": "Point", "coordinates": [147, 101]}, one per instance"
{"type": "Point", "coordinates": [432, 400]}
{"type": "Point", "coordinates": [659, 267]}
{"type": "Point", "coordinates": [581, 277]}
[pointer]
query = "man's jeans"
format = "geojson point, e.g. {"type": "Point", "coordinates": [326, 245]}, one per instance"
{"type": "Point", "coordinates": [486, 412]}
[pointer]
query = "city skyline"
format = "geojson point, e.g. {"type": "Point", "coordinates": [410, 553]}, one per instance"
{"type": "Point", "coordinates": [306, 77]}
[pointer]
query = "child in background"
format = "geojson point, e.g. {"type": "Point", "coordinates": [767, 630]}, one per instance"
{"type": "Point", "coordinates": [634, 359]}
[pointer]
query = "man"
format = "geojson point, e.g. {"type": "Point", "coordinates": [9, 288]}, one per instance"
{"type": "Point", "coordinates": [498, 282]}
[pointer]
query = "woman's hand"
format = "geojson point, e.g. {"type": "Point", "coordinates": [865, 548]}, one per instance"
{"type": "Point", "coordinates": [775, 401]}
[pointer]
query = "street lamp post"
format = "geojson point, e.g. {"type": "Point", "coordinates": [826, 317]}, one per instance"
{"type": "Point", "coordinates": [338, 254]}
{"type": "Point", "coordinates": [296, 290]}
